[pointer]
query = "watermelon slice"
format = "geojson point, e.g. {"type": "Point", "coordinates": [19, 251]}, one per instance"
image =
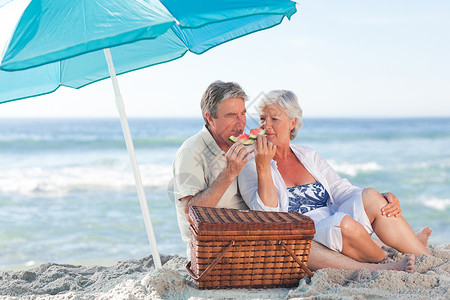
{"type": "Point", "coordinates": [248, 139]}
{"type": "Point", "coordinates": [243, 139]}
{"type": "Point", "coordinates": [255, 132]}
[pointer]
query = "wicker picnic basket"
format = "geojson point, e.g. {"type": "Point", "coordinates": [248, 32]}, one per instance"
{"type": "Point", "coordinates": [233, 248]}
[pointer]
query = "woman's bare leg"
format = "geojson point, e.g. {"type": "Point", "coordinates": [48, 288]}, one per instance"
{"type": "Point", "coordinates": [357, 243]}
{"type": "Point", "coordinates": [394, 232]}
{"type": "Point", "coordinates": [423, 235]}
{"type": "Point", "coordinates": [321, 257]}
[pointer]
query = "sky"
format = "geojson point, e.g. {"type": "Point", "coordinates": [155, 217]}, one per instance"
{"type": "Point", "coordinates": [352, 59]}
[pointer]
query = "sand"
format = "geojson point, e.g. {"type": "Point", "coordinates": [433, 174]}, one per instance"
{"type": "Point", "coordinates": [138, 279]}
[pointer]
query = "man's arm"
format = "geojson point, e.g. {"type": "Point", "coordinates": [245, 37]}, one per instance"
{"type": "Point", "coordinates": [211, 195]}
{"type": "Point", "coordinates": [236, 157]}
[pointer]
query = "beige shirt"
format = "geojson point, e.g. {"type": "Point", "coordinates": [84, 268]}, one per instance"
{"type": "Point", "coordinates": [197, 163]}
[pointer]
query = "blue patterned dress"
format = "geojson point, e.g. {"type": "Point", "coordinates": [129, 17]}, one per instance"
{"type": "Point", "coordinates": [305, 198]}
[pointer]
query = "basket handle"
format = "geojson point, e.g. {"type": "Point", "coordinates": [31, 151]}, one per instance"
{"type": "Point", "coordinates": [302, 265]}
{"type": "Point", "coordinates": [211, 265]}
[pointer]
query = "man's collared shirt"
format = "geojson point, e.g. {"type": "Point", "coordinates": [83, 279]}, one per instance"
{"type": "Point", "coordinates": [197, 163]}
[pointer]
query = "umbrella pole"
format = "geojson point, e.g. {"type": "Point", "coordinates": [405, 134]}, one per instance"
{"type": "Point", "coordinates": [131, 152]}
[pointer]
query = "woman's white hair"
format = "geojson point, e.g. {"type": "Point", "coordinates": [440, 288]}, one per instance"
{"type": "Point", "coordinates": [288, 101]}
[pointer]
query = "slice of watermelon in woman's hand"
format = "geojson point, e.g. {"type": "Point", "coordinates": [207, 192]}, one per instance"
{"type": "Point", "coordinates": [255, 132]}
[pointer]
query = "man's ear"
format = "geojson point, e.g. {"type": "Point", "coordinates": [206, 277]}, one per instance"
{"type": "Point", "coordinates": [209, 118]}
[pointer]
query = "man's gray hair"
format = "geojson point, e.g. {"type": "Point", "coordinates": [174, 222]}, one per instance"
{"type": "Point", "coordinates": [288, 101]}
{"type": "Point", "coordinates": [217, 92]}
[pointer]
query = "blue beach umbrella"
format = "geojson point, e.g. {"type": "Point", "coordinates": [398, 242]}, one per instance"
{"type": "Point", "coordinates": [73, 43]}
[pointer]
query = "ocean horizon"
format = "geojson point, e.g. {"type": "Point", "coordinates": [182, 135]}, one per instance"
{"type": "Point", "coordinates": [67, 192]}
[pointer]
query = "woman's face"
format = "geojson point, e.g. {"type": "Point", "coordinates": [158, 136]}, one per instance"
{"type": "Point", "coordinates": [275, 121]}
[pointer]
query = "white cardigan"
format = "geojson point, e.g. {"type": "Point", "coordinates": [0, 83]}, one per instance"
{"type": "Point", "coordinates": [339, 189]}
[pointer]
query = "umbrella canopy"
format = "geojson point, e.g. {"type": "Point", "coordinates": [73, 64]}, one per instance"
{"type": "Point", "coordinates": [65, 42]}
{"type": "Point", "coordinates": [65, 39]}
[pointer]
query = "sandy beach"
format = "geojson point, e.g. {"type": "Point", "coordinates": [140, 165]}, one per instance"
{"type": "Point", "coordinates": [138, 279]}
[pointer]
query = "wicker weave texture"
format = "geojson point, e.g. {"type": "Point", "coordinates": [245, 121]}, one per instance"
{"type": "Point", "coordinates": [252, 258]}
{"type": "Point", "coordinates": [224, 220]}
{"type": "Point", "coordinates": [250, 263]}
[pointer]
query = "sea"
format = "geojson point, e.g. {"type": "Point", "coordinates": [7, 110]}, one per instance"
{"type": "Point", "coordinates": [67, 193]}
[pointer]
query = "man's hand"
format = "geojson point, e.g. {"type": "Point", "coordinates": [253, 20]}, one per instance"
{"type": "Point", "coordinates": [237, 156]}
{"type": "Point", "coordinates": [393, 206]}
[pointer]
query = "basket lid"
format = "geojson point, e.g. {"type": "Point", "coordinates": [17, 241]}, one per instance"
{"type": "Point", "coordinates": [224, 219]}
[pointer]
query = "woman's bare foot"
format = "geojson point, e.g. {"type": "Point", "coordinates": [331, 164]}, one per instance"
{"type": "Point", "coordinates": [424, 234]}
{"type": "Point", "coordinates": [406, 264]}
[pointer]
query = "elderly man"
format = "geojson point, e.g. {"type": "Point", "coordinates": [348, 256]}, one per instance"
{"type": "Point", "coordinates": [207, 165]}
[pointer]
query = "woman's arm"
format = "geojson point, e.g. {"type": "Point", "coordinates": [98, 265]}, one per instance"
{"type": "Point", "coordinates": [261, 189]}
{"type": "Point", "coordinates": [342, 189]}
{"type": "Point", "coordinates": [248, 187]}
{"type": "Point", "coordinates": [264, 152]}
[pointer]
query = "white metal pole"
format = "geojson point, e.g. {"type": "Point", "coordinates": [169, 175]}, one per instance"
{"type": "Point", "coordinates": [132, 153]}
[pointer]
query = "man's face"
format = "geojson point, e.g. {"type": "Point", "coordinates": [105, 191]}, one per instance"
{"type": "Point", "coordinates": [230, 121]}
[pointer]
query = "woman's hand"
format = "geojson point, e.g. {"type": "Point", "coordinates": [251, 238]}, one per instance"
{"type": "Point", "coordinates": [393, 206]}
{"type": "Point", "coordinates": [264, 153]}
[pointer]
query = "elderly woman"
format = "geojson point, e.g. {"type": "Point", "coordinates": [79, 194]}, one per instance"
{"type": "Point", "coordinates": [291, 178]}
